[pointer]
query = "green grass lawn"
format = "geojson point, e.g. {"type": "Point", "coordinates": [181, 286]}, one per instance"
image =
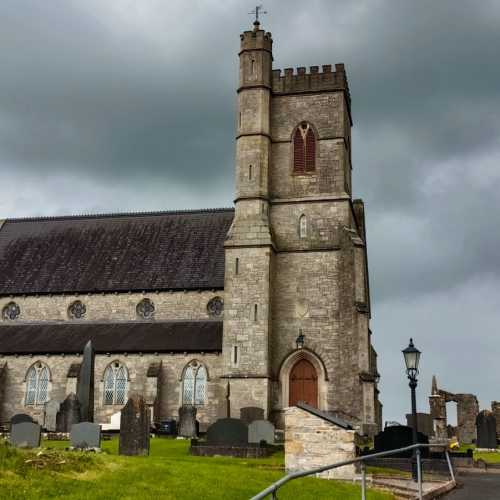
{"type": "Point", "coordinates": [490, 457]}
{"type": "Point", "coordinates": [168, 473]}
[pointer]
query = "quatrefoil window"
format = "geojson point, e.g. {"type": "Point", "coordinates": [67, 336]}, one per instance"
{"type": "Point", "coordinates": [77, 310]}
{"type": "Point", "coordinates": [215, 306]}
{"type": "Point", "coordinates": [11, 311]}
{"type": "Point", "coordinates": [145, 309]}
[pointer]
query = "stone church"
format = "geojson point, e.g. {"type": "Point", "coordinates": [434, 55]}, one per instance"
{"type": "Point", "coordinates": [263, 305]}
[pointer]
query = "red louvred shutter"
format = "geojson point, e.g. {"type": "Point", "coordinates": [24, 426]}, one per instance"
{"type": "Point", "coordinates": [299, 161]}
{"type": "Point", "coordinates": [310, 151]}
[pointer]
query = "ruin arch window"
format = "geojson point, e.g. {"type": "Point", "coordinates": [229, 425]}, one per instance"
{"type": "Point", "coordinates": [304, 149]}
{"type": "Point", "coordinates": [194, 384]}
{"type": "Point", "coordinates": [37, 384]}
{"type": "Point", "coordinates": [145, 309]}
{"type": "Point", "coordinates": [302, 226]}
{"type": "Point", "coordinates": [11, 311]}
{"type": "Point", "coordinates": [115, 384]}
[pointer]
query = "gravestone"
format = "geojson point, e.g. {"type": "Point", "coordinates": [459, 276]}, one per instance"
{"type": "Point", "coordinates": [250, 413]}
{"type": "Point", "coordinates": [85, 435]}
{"type": "Point", "coordinates": [68, 414]}
{"type": "Point", "coordinates": [228, 432]}
{"type": "Point", "coordinates": [134, 427]}
{"type": "Point", "coordinates": [50, 415]}
{"type": "Point", "coordinates": [19, 418]}
{"type": "Point", "coordinates": [187, 422]}
{"type": "Point", "coordinates": [261, 430]}
{"type": "Point", "coordinates": [25, 435]}
{"type": "Point", "coordinates": [85, 391]}
{"type": "Point", "coordinates": [486, 425]}
{"type": "Point", "coordinates": [399, 436]}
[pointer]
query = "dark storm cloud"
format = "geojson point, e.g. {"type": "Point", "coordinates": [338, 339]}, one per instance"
{"type": "Point", "coordinates": [121, 105]}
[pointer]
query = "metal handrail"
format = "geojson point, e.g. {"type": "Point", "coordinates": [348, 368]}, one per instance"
{"type": "Point", "coordinates": [272, 490]}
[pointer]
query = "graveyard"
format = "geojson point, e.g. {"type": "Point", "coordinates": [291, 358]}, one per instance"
{"type": "Point", "coordinates": [169, 472]}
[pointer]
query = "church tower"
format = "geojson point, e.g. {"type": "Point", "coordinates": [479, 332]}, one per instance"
{"type": "Point", "coordinates": [297, 306]}
{"type": "Point", "coordinates": [249, 247]}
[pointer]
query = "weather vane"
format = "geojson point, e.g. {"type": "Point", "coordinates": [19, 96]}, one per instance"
{"type": "Point", "coordinates": [258, 10]}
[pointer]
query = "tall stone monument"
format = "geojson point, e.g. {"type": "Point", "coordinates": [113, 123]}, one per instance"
{"type": "Point", "coordinates": [85, 391]}
{"type": "Point", "coordinates": [134, 427]}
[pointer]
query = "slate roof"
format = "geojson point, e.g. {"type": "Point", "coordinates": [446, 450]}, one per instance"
{"type": "Point", "coordinates": [117, 252]}
{"type": "Point", "coordinates": [133, 336]}
{"type": "Point", "coordinates": [324, 415]}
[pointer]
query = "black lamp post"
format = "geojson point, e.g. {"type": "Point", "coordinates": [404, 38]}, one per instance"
{"type": "Point", "coordinates": [299, 341]}
{"type": "Point", "coordinates": [412, 358]}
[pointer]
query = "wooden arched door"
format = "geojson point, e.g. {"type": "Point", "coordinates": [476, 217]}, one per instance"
{"type": "Point", "coordinates": [303, 384]}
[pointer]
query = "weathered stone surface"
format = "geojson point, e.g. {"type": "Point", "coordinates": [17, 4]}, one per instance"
{"type": "Point", "coordinates": [259, 431]}
{"type": "Point", "coordinates": [187, 421]}
{"type": "Point", "coordinates": [486, 430]}
{"type": "Point", "coordinates": [68, 414]}
{"type": "Point", "coordinates": [25, 435]}
{"type": "Point", "coordinates": [228, 432]}
{"type": "Point", "coordinates": [50, 415]}
{"type": "Point", "coordinates": [135, 427]}
{"type": "Point", "coordinates": [305, 439]}
{"type": "Point", "coordinates": [85, 435]}
{"type": "Point", "coordinates": [85, 392]}
{"type": "Point", "coordinates": [250, 413]}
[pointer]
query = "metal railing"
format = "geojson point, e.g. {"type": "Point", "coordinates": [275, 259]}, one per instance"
{"type": "Point", "coordinates": [273, 489]}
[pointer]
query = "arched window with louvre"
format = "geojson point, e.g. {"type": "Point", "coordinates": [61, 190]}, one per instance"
{"type": "Point", "coordinates": [37, 384]}
{"type": "Point", "coordinates": [115, 384]}
{"type": "Point", "coordinates": [304, 149]}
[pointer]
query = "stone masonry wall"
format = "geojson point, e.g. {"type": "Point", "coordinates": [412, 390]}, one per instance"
{"type": "Point", "coordinates": [169, 394]}
{"type": "Point", "coordinates": [312, 442]}
{"type": "Point", "coordinates": [325, 112]}
{"type": "Point", "coordinates": [119, 307]}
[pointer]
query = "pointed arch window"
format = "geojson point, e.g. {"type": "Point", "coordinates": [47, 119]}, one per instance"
{"type": "Point", "coordinates": [304, 149]}
{"type": "Point", "coordinates": [115, 384]}
{"type": "Point", "coordinates": [37, 385]}
{"type": "Point", "coordinates": [194, 384]}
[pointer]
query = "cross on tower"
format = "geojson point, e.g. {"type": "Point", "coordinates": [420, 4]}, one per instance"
{"type": "Point", "coordinates": [258, 10]}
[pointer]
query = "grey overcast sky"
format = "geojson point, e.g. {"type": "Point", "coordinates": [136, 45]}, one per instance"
{"type": "Point", "coordinates": [128, 105]}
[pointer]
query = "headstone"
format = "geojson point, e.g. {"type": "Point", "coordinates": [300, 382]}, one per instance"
{"type": "Point", "coordinates": [85, 435]}
{"type": "Point", "coordinates": [135, 427]}
{"type": "Point", "coordinates": [85, 391]}
{"type": "Point", "coordinates": [50, 415]}
{"type": "Point", "coordinates": [398, 436]}
{"type": "Point", "coordinates": [228, 432]}
{"type": "Point", "coordinates": [25, 435]}
{"type": "Point", "coordinates": [187, 422]}
{"type": "Point", "coordinates": [68, 414]}
{"type": "Point", "coordinates": [19, 418]}
{"type": "Point", "coordinates": [250, 413]}
{"type": "Point", "coordinates": [486, 425]}
{"type": "Point", "coordinates": [261, 430]}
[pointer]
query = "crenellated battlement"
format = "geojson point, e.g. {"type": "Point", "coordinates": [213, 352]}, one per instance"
{"type": "Point", "coordinates": [256, 40]}
{"type": "Point", "coordinates": [300, 80]}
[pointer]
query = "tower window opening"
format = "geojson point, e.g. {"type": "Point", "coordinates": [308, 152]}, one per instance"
{"type": "Point", "coordinates": [249, 172]}
{"type": "Point", "coordinates": [303, 226]}
{"type": "Point", "coordinates": [304, 149]}
{"type": "Point", "coordinates": [237, 266]}
{"type": "Point", "coordinates": [235, 355]}
{"type": "Point", "coordinates": [255, 312]}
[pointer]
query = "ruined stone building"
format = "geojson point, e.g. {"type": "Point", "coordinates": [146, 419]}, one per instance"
{"type": "Point", "coordinates": [262, 305]}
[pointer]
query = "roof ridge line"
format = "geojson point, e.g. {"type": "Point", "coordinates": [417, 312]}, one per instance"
{"type": "Point", "coordinates": [119, 214]}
